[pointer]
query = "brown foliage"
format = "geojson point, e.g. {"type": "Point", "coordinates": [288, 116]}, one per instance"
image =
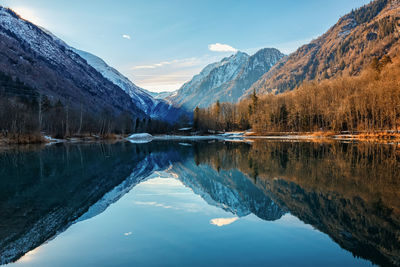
{"type": "Point", "coordinates": [345, 49]}
{"type": "Point", "coordinates": [366, 103]}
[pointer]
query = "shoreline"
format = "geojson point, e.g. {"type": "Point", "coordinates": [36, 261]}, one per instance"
{"type": "Point", "coordinates": [239, 136]}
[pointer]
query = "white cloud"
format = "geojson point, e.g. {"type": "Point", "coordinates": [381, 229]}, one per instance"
{"type": "Point", "coordinates": [223, 221]}
{"type": "Point", "coordinates": [127, 234]}
{"type": "Point", "coordinates": [217, 47]}
{"type": "Point", "coordinates": [126, 36]}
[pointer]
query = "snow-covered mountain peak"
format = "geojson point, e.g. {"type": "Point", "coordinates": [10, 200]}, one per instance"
{"type": "Point", "coordinates": [225, 80]}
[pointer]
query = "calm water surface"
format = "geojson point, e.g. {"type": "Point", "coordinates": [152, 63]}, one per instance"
{"type": "Point", "coordinates": [200, 204]}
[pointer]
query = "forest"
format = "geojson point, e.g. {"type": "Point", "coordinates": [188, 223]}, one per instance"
{"type": "Point", "coordinates": [25, 115]}
{"type": "Point", "coordinates": [369, 102]}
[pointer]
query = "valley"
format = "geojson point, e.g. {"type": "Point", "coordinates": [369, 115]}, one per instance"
{"type": "Point", "coordinates": [199, 133]}
{"type": "Point", "coordinates": [327, 86]}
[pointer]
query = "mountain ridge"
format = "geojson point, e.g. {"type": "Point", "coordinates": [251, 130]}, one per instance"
{"type": "Point", "coordinates": [37, 60]}
{"type": "Point", "coordinates": [371, 31]}
{"type": "Point", "coordinates": [225, 80]}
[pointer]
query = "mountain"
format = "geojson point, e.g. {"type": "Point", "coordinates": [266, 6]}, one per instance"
{"type": "Point", "coordinates": [226, 80]}
{"type": "Point", "coordinates": [369, 32]}
{"type": "Point", "coordinates": [142, 99]}
{"type": "Point", "coordinates": [160, 95]}
{"type": "Point", "coordinates": [256, 66]}
{"type": "Point", "coordinates": [152, 104]}
{"type": "Point", "coordinates": [32, 56]}
{"type": "Point", "coordinates": [201, 90]}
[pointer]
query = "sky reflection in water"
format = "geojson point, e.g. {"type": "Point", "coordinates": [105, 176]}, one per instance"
{"type": "Point", "coordinates": [160, 222]}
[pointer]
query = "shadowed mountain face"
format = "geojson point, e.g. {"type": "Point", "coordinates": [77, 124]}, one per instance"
{"type": "Point", "coordinates": [146, 101]}
{"type": "Point", "coordinates": [348, 191]}
{"type": "Point", "coordinates": [37, 59]}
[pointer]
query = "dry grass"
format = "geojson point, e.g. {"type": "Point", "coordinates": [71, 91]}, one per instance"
{"type": "Point", "coordinates": [378, 137]}
{"type": "Point", "coordinates": [34, 138]}
{"type": "Point", "coordinates": [112, 137]}
{"type": "Point", "coordinates": [323, 134]}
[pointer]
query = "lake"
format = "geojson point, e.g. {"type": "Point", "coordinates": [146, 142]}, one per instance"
{"type": "Point", "coordinates": [184, 203]}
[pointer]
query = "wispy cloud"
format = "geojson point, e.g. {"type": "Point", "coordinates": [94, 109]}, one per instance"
{"type": "Point", "coordinates": [143, 67]}
{"type": "Point", "coordinates": [128, 234]}
{"type": "Point", "coordinates": [186, 62]}
{"type": "Point", "coordinates": [223, 221]}
{"type": "Point", "coordinates": [126, 36]}
{"type": "Point", "coordinates": [155, 204]}
{"type": "Point", "coordinates": [217, 47]}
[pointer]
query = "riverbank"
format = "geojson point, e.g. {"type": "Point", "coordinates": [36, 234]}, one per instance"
{"type": "Point", "coordinates": [25, 139]}
{"type": "Point", "coordinates": [378, 137]}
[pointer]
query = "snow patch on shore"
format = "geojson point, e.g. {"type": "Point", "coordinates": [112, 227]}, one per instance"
{"type": "Point", "coordinates": [140, 138]}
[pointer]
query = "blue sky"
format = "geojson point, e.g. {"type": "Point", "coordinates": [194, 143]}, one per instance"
{"type": "Point", "coordinates": [160, 44]}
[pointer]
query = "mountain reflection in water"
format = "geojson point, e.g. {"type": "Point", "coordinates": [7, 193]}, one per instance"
{"type": "Point", "coordinates": [348, 191]}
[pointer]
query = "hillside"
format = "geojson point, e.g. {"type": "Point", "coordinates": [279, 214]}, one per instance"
{"type": "Point", "coordinates": [226, 80]}
{"type": "Point", "coordinates": [201, 90]}
{"type": "Point", "coordinates": [150, 103]}
{"type": "Point", "coordinates": [32, 56]}
{"type": "Point", "coordinates": [369, 32]}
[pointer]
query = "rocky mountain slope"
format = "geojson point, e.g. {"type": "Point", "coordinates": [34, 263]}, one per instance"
{"type": "Point", "coordinates": [369, 32]}
{"type": "Point", "coordinates": [34, 57]}
{"type": "Point", "coordinates": [143, 100]}
{"type": "Point", "coordinates": [226, 80]}
{"type": "Point", "coordinates": [151, 104]}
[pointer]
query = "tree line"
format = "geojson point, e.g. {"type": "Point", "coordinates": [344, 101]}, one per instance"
{"type": "Point", "coordinates": [26, 112]}
{"type": "Point", "coordinates": [368, 102]}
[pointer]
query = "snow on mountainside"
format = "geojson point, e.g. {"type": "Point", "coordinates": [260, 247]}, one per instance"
{"type": "Point", "coordinates": [160, 95]}
{"type": "Point", "coordinates": [226, 80]}
{"type": "Point", "coordinates": [40, 61]}
{"type": "Point", "coordinates": [141, 98]}
{"type": "Point", "coordinates": [201, 89]}
{"type": "Point", "coordinates": [156, 107]}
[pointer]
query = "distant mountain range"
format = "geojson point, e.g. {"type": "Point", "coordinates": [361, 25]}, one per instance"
{"type": "Point", "coordinates": [226, 80]}
{"type": "Point", "coordinates": [369, 32]}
